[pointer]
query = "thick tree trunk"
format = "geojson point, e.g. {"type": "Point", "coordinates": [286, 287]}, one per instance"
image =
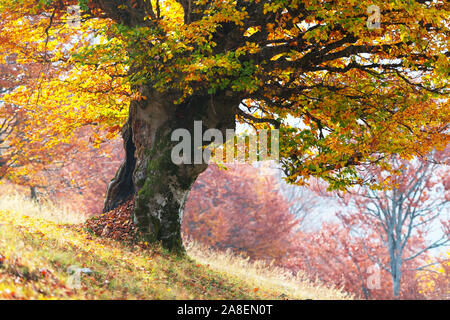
{"type": "Point", "coordinates": [160, 186]}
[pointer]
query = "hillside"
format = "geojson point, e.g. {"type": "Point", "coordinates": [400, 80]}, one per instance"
{"type": "Point", "coordinates": [46, 253]}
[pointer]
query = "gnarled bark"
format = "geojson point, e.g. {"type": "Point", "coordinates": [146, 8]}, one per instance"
{"type": "Point", "coordinates": [160, 186]}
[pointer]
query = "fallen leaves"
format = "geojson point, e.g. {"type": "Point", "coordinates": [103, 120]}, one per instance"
{"type": "Point", "coordinates": [116, 224]}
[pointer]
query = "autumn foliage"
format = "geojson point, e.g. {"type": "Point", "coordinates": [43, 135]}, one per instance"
{"type": "Point", "coordinates": [356, 90]}
{"type": "Point", "coordinates": [116, 224]}
{"type": "Point", "coordinates": [434, 283]}
{"type": "Point", "coordinates": [228, 210]}
{"type": "Point", "coordinates": [371, 117]}
{"type": "Point", "coordinates": [76, 169]}
{"type": "Point", "coordinates": [241, 210]}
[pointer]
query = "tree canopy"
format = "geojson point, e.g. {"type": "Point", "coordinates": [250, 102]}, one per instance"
{"type": "Point", "coordinates": [360, 93]}
{"type": "Point", "coordinates": [343, 92]}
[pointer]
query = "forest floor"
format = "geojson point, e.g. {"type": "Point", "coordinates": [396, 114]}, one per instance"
{"type": "Point", "coordinates": [46, 253]}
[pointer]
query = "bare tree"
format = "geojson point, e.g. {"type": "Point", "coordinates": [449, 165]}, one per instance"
{"type": "Point", "coordinates": [411, 208]}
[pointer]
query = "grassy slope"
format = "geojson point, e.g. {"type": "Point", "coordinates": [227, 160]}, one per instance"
{"type": "Point", "coordinates": [36, 253]}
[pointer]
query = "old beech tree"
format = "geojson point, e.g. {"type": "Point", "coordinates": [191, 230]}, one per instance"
{"type": "Point", "coordinates": [361, 91]}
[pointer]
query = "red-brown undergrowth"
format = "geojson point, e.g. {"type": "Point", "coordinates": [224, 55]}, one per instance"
{"type": "Point", "coordinates": [116, 224]}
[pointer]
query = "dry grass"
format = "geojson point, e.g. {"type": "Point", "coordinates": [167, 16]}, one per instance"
{"type": "Point", "coordinates": [49, 242]}
{"type": "Point", "coordinates": [264, 276]}
{"type": "Point", "coordinates": [12, 198]}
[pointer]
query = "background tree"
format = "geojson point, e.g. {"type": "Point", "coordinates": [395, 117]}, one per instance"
{"type": "Point", "coordinates": [361, 94]}
{"type": "Point", "coordinates": [242, 210]}
{"type": "Point", "coordinates": [80, 179]}
{"type": "Point", "coordinates": [33, 154]}
{"type": "Point", "coordinates": [76, 170]}
{"type": "Point", "coordinates": [12, 75]}
{"type": "Point", "coordinates": [409, 209]}
{"type": "Point", "coordinates": [337, 256]}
